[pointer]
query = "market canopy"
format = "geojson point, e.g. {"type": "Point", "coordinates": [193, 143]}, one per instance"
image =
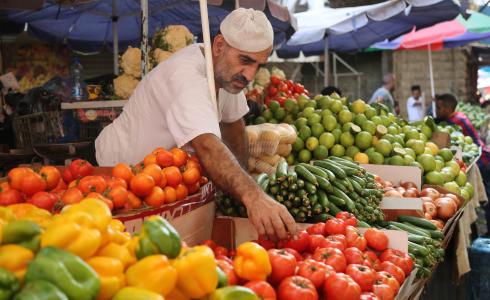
{"type": "Point", "coordinates": [88, 27]}
{"type": "Point", "coordinates": [356, 28]}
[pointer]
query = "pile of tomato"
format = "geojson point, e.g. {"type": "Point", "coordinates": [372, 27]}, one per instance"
{"type": "Point", "coordinates": [281, 89]}
{"type": "Point", "coordinates": [162, 177]}
{"type": "Point", "coordinates": [330, 260]}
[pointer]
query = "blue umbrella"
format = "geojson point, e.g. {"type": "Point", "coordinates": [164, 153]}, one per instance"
{"type": "Point", "coordinates": [88, 27]}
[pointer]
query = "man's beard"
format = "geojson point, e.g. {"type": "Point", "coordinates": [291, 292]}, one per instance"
{"type": "Point", "coordinates": [235, 85]}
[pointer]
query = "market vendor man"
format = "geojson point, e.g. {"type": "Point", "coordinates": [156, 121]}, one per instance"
{"type": "Point", "coordinates": [172, 106]}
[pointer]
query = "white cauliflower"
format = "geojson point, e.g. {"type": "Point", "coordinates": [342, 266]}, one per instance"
{"type": "Point", "coordinates": [263, 77]}
{"type": "Point", "coordinates": [172, 38]}
{"type": "Point", "coordinates": [278, 72]}
{"type": "Point", "coordinates": [124, 86]}
{"type": "Point", "coordinates": [131, 62]}
{"type": "Point", "coordinates": [160, 55]}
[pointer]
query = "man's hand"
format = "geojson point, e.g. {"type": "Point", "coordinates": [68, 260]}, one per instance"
{"type": "Point", "coordinates": [270, 217]}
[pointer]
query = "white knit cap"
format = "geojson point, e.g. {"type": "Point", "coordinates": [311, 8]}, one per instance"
{"type": "Point", "coordinates": [247, 30]}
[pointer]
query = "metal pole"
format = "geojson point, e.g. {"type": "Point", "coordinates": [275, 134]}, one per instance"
{"type": "Point", "coordinates": [207, 50]}
{"type": "Point", "coordinates": [144, 37]}
{"type": "Point", "coordinates": [432, 88]}
{"type": "Point", "coordinates": [115, 37]}
{"type": "Point", "coordinates": [326, 63]}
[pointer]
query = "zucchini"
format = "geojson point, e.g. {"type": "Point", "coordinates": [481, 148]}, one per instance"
{"type": "Point", "coordinates": [315, 170]}
{"type": "Point", "coordinates": [333, 209]}
{"type": "Point", "coordinates": [334, 168]}
{"type": "Point", "coordinates": [419, 222]}
{"type": "Point", "coordinates": [324, 183]}
{"type": "Point", "coordinates": [410, 228]}
{"type": "Point", "coordinates": [417, 249]}
{"type": "Point", "coordinates": [282, 170]}
{"type": "Point", "coordinates": [305, 174]}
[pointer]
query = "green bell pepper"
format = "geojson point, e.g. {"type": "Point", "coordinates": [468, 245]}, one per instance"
{"type": "Point", "coordinates": [9, 284]}
{"type": "Point", "coordinates": [23, 233]}
{"type": "Point", "coordinates": [74, 277]}
{"type": "Point", "coordinates": [233, 293]}
{"type": "Point", "coordinates": [222, 278]}
{"type": "Point", "coordinates": [158, 237]}
{"type": "Point", "coordinates": [40, 290]}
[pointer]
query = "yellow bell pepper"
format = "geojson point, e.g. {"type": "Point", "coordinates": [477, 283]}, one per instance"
{"type": "Point", "coordinates": [132, 244]}
{"type": "Point", "coordinates": [111, 275]}
{"type": "Point", "coordinates": [25, 211]}
{"type": "Point", "coordinates": [252, 262]}
{"type": "Point", "coordinates": [196, 272]}
{"type": "Point", "coordinates": [154, 273]}
{"type": "Point", "coordinates": [75, 233]}
{"type": "Point", "coordinates": [6, 216]}
{"type": "Point", "coordinates": [96, 208]}
{"type": "Point", "coordinates": [15, 259]}
{"type": "Point", "coordinates": [115, 233]}
{"type": "Point", "coordinates": [118, 252]}
{"type": "Point", "coordinates": [176, 294]}
{"type": "Point", "coordinates": [134, 293]}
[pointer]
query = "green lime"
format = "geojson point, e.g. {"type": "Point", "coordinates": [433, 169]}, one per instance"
{"type": "Point", "coordinates": [397, 160]}
{"type": "Point", "coordinates": [427, 161]}
{"type": "Point", "coordinates": [384, 147]}
{"type": "Point", "coordinates": [308, 111]}
{"type": "Point", "coordinates": [320, 152]}
{"type": "Point", "coordinates": [336, 133]}
{"type": "Point", "coordinates": [304, 156]}
{"type": "Point", "coordinates": [317, 130]}
{"type": "Point", "coordinates": [337, 150]}
{"type": "Point", "coordinates": [311, 143]}
{"type": "Point", "coordinates": [408, 160]}
{"type": "Point", "coordinates": [336, 106]}
{"type": "Point", "coordinates": [376, 120]}
{"type": "Point", "coordinates": [289, 119]}
{"type": "Point", "coordinates": [260, 120]}
{"type": "Point", "coordinates": [446, 154]}
{"type": "Point", "coordinates": [359, 119]}
{"type": "Point", "coordinates": [273, 121]}
{"type": "Point", "coordinates": [298, 144]}
{"type": "Point", "coordinates": [376, 158]}
{"type": "Point", "coordinates": [370, 112]}
{"type": "Point", "coordinates": [346, 139]}
{"type": "Point", "coordinates": [267, 114]}
{"type": "Point", "coordinates": [351, 151]}
{"type": "Point", "coordinates": [304, 132]}
{"type": "Point", "coordinates": [311, 103]}
{"type": "Point", "coordinates": [327, 139]}
{"type": "Point", "coordinates": [369, 126]}
{"type": "Point", "coordinates": [274, 105]}
{"type": "Point", "coordinates": [326, 112]}
{"type": "Point", "coordinates": [358, 106]}
{"type": "Point", "coordinates": [345, 116]}
{"type": "Point", "coordinates": [389, 137]}
{"type": "Point", "coordinates": [290, 105]}
{"type": "Point", "coordinates": [426, 131]}
{"type": "Point", "coordinates": [329, 122]}
{"type": "Point", "coordinates": [392, 130]}
{"type": "Point", "coordinates": [280, 114]}
{"type": "Point", "coordinates": [291, 159]}
{"type": "Point", "coordinates": [301, 122]}
{"type": "Point", "coordinates": [363, 140]}
{"type": "Point", "coordinates": [410, 152]}
{"type": "Point", "coordinates": [314, 118]}
{"type": "Point", "coordinates": [412, 134]}
{"type": "Point", "coordinates": [370, 151]}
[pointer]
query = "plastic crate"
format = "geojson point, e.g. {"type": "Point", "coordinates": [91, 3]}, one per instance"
{"type": "Point", "coordinates": [479, 255]}
{"type": "Point", "coordinates": [38, 128]}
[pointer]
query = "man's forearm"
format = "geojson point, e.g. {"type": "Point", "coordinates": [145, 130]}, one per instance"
{"type": "Point", "coordinates": [235, 138]}
{"type": "Point", "coordinates": [224, 169]}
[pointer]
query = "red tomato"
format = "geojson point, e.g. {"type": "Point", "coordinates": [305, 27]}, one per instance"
{"type": "Point", "coordinates": [383, 291]}
{"type": "Point", "coordinates": [262, 289]}
{"type": "Point", "coordinates": [369, 296]}
{"type": "Point", "coordinates": [335, 226]}
{"type": "Point", "coordinates": [387, 278]}
{"type": "Point", "coordinates": [355, 238]}
{"type": "Point", "coordinates": [364, 276]}
{"type": "Point", "coordinates": [43, 200]}
{"type": "Point", "coordinates": [399, 258]}
{"type": "Point", "coordinates": [72, 196]}
{"type": "Point", "coordinates": [32, 183]}
{"type": "Point", "coordinates": [300, 244]}
{"type": "Point", "coordinates": [307, 255]}
{"type": "Point", "coordinates": [91, 184]}
{"type": "Point", "coordinates": [51, 175]}
{"type": "Point", "coordinates": [218, 251]}
{"type": "Point", "coordinates": [281, 100]}
{"type": "Point", "coordinates": [316, 241]}
{"type": "Point", "coordinates": [332, 257]}
{"type": "Point", "coordinates": [114, 181]}
{"type": "Point", "coordinates": [227, 268]}
{"type": "Point", "coordinates": [80, 168]}
{"type": "Point", "coordinates": [373, 259]}
{"type": "Point", "coordinates": [341, 238]}
{"type": "Point", "coordinates": [16, 175]}
{"type": "Point", "coordinates": [210, 243]}
{"type": "Point", "coordinates": [313, 270]}
{"type": "Point", "coordinates": [299, 88]}
{"type": "Point", "coordinates": [341, 287]}
{"type": "Point", "coordinates": [275, 80]}
{"type": "Point", "coordinates": [294, 253]}
{"type": "Point", "coordinates": [297, 288]}
{"type": "Point", "coordinates": [290, 84]}
{"type": "Point", "coordinates": [10, 197]}
{"type": "Point", "coordinates": [376, 239]}
{"type": "Point", "coordinates": [67, 176]}
{"type": "Point", "coordinates": [333, 242]}
{"type": "Point", "coordinates": [347, 217]}
{"type": "Point", "coordinates": [283, 264]}
{"type": "Point", "coordinates": [318, 228]}
{"type": "Point", "coordinates": [272, 91]}
{"type": "Point", "coordinates": [283, 88]}
{"type": "Point", "coordinates": [394, 270]}
{"type": "Point", "coordinates": [118, 195]}
{"type": "Point", "coordinates": [354, 256]}
{"type": "Point", "coordinates": [267, 244]}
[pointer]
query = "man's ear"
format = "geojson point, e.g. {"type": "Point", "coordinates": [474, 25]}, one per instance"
{"type": "Point", "coordinates": [219, 44]}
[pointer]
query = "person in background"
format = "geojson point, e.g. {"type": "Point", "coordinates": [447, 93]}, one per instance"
{"type": "Point", "coordinates": [416, 105]}
{"type": "Point", "coordinates": [384, 94]}
{"type": "Point", "coordinates": [329, 90]}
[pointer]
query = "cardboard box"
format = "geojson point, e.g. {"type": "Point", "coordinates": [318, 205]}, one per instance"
{"type": "Point", "coordinates": [441, 139]}
{"type": "Point", "coordinates": [393, 207]}
{"type": "Point", "coordinates": [396, 174]}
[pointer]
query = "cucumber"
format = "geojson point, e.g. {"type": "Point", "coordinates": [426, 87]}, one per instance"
{"type": "Point", "coordinates": [292, 176]}
{"type": "Point", "coordinates": [324, 183]}
{"type": "Point", "coordinates": [340, 194]}
{"type": "Point", "coordinates": [336, 200]}
{"type": "Point", "coordinates": [317, 209]}
{"type": "Point", "coordinates": [347, 184]}
{"type": "Point", "coordinates": [301, 193]}
{"type": "Point", "coordinates": [305, 174]}
{"type": "Point", "coordinates": [418, 239]}
{"type": "Point", "coordinates": [282, 170]}
{"type": "Point", "coordinates": [417, 249]}
{"type": "Point", "coordinates": [330, 174]}
{"type": "Point", "coordinates": [265, 184]}
{"type": "Point", "coordinates": [272, 179]}
{"type": "Point", "coordinates": [334, 168]}
{"type": "Point", "coordinates": [315, 170]}
{"type": "Point", "coordinates": [359, 180]}
{"type": "Point", "coordinates": [348, 170]}
{"type": "Point", "coordinates": [357, 187]}
{"type": "Point", "coordinates": [363, 224]}
{"type": "Point", "coordinates": [320, 218]}
{"type": "Point", "coordinates": [436, 234]}
{"type": "Point", "coordinates": [339, 184]}
{"type": "Point", "coordinates": [322, 198]}
{"type": "Point", "coordinates": [261, 178]}
{"type": "Point", "coordinates": [419, 222]}
{"type": "Point", "coordinates": [410, 228]}
{"type": "Point", "coordinates": [310, 188]}
{"type": "Point", "coordinates": [333, 209]}
{"type": "Point", "coordinates": [300, 183]}
{"type": "Point", "coordinates": [313, 199]}
{"type": "Point", "coordinates": [274, 189]}
{"type": "Point", "coordinates": [344, 162]}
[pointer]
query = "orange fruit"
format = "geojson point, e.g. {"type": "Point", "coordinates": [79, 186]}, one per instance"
{"type": "Point", "coordinates": [173, 175]}
{"type": "Point", "coordinates": [157, 150]}
{"type": "Point", "coordinates": [123, 171]}
{"type": "Point", "coordinates": [156, 198]}
{"type": "Point", "coordinates": [165, 159]}
{"type": "Point", "coordinates": [119, 196]}
{"type": "Point", "coordinates": [192, 189]}
{"type": "Point", "coordinates": [163, 180]}
{"type": "Point", "coordinates": [142, 184]}
{"type": "Point", "coordinates": [191, 176]}
{"type": "Point", "coordinates": [181, 191]}
{"type": "Point", "coordinates": [154, 171]}
{"type": "Point", "coordinates": [180, 157]}
{"type": "Point", "coordinates": [150, 159]}
{"type": "Point", "coordinates": [133, 201]}
{"type": "Point", "coordinates": [51, 175]}
{"type": "Point", "coordinates": [170, 194]}
{"type": "Point", "coordinates": [114, 181]}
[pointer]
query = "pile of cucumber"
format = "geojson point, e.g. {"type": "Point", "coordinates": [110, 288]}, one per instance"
{"type": "Point", "coordinates": [228, 206]}
{"type": "Point", "coordinates": [318, 191]}
{"type": "Point", "coordinates": [424, 242]}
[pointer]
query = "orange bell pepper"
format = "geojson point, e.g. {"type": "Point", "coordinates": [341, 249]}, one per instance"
{"type": "Point", "coordinates": [153, 273]}
{"type": "Point", "coordinates": [118, 252]}
{"type": "Point", "coordinates": [252, 262]}
{"type": "Point", "coordinates": [111, 275]}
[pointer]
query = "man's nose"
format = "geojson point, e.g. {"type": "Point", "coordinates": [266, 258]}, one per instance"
{"type": "Point", "coordinates": [249, 73]}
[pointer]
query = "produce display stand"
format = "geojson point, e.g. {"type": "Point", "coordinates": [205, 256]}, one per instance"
{"type": "Point", "coordinates": [93, 104]}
